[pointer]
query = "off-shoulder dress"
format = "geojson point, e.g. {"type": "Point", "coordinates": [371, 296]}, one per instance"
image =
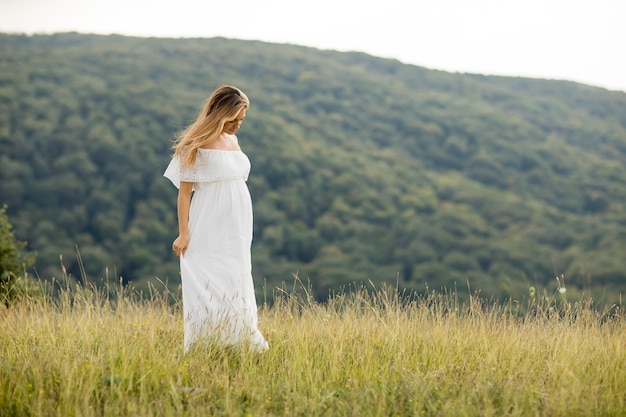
{"type": "Point", "coordinates": [219, 302]}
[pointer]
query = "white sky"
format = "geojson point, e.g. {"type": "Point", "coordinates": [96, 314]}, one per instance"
{"type": "Point", "coordinates": [578, 40]}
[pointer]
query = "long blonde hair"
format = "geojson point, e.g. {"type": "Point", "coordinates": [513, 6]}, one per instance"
{"type": "Point", "coordinates": [223, 106]}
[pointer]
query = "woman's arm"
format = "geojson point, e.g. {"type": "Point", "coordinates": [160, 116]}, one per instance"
{"type": "Point", "coordinates": [184, 202]}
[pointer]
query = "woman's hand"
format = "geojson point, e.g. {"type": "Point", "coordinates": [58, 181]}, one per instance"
{"type": "Point", "coordinates": [184, 200]}
{"type": "Point", "coordinates": [180, 245]}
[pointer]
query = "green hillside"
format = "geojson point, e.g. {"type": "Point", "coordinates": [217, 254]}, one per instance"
{"type": "Point", "coordinates": [363, 169]}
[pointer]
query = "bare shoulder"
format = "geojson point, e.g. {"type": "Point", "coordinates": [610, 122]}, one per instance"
{"type": "Point", "coordinates": [235, 143]}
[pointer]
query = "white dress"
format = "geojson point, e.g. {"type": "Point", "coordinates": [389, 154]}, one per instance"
{"type": "Point", "coordinates": [219, 303]}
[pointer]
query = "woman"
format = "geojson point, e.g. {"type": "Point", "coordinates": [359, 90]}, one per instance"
{"type": "Point", "coordinates": [215, 226]}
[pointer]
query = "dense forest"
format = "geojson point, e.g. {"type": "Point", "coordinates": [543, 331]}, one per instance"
{"type": "Point", "coordinates": [363, 169]}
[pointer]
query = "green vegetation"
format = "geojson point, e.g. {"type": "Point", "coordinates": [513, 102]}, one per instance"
{"type": "Point", "coordinates": [364, 169]}
{"type": "Point", "coordinates": [13, 262]}
{"type": "Point", "coordinates": [362, 353]}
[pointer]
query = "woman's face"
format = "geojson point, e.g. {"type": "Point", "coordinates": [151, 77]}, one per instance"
{"type": "Point", "coordinates": [232, 126]}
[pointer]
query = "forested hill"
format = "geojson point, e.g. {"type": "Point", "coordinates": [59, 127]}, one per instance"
{"type": "Point", "coordinates": [363, 168]}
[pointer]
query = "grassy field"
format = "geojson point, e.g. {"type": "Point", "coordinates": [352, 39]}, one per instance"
{"type": "Point", "coordinates": [364, 353]}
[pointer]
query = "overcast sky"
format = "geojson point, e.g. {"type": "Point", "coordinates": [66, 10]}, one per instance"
{"type": "Point", "coordinates": [578, 40]}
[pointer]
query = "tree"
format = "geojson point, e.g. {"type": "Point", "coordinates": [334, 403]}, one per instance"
{"type": "Point", "coordinates": [12, 260]}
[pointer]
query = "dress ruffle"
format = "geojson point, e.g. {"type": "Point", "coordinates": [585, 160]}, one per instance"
{"type": "Point", "coordinates": [211, 165]}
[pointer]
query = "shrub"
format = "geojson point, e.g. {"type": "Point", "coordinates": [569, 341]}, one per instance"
{"type": "Point", "coordinates": [13, 261]}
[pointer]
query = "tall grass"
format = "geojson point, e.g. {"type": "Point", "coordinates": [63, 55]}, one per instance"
{"type": "Point", "coordinates": [366, 352]}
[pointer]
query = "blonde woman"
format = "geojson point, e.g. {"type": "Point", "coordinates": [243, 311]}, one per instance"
{"type": "Point", "coordinates": [215, 226]}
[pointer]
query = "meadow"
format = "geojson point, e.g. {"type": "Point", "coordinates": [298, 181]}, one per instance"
{"type": "Point", "coordinates": [92, 351]}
